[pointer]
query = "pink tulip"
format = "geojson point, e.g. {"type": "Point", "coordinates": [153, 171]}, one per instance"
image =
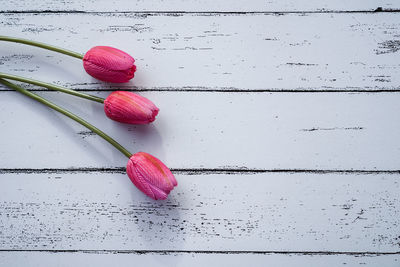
{"type": "Point", "coordinates": [109, 64]}
{"type": "Point", "coordinates": [150, 175]}
{"type": "Point", "coordinates": [128, 107]}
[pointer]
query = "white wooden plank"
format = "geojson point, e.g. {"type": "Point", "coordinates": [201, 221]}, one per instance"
{"type": "Point", "coordinates": [356, 51]}
{"type": "Point", "coordinates": [242, 212]}
{"type": "Point", "coordinates": [211, 130]}
{"type": "Point", "coordinates": [77, 259]}
{"type": "Point", "coordinates": [199, 5]}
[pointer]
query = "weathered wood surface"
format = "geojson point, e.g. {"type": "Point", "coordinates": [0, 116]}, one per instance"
{"type": "Point", "coordinates": [339, 131]}
{"type": "Point", "coordinates": [211, 212]}
{"type": "Point", "coordinates": [288, 178]}
{"type": "Point", "coordinates": [99, 259]}
{"type": "Point", "coordinates": [312, 52]}
{"type": "Point", "coordinates": [199, 5]}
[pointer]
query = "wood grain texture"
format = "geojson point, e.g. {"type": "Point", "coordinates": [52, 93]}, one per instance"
{"type": "Point", "coordinates": [211, 130]}
{"type": "Point", "coordinates": [215, 212]}
{"type": "Point", "coordinates": [39, 259]}
{"type": "Point", "coordinates": [198, 5]}
{"type": "Point", "coordinates": [228, 52]}
{"type": "Point", "coordinates": [268, 173]}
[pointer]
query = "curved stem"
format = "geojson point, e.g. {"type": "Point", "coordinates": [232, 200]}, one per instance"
{"type": "Point", "coordinates": [41, 45]}
{"type": "Point", "coordinates": [68, 114]}
{"type": "Point", "coordinates": [51, 87]}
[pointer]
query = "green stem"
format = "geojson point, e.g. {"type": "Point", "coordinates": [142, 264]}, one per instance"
{"type": "Point", "coordinates": [68, 114]}
{"type": "Point", "coordinates": [42, 45]}
{"type": "Point", "coordinates": [51, 87]}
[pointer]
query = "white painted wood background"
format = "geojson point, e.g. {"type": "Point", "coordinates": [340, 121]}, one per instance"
{"type": "Point", "coordinates": [280, 120]}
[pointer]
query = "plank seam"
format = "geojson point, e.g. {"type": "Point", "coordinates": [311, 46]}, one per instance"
{"type": "Point", "coordinates": [141, 252]}
{"type": "Point", "coordinates": [223, 90]}
{"type": "Point", "coordinates": [195, 171]}
{"type": "Point", "coordinates": [149, 13]}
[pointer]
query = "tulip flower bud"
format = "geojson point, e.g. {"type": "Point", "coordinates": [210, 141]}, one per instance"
{"type": "Point", "coordinates": [128, 107]}
{"type": "Point", "coordinates": [109, 64]}
{"type": "Point", "coordinates": [150, 175]}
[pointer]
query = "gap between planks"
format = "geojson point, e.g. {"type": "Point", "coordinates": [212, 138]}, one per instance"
{"type": "Point", "coordinates": [222, 90]}
{"type": "Point", "coordinates": [165, 252]}
{"type": "Point", "coordinates": [196, 171]}
{"type": "Point", "coordinates": [179, 13]}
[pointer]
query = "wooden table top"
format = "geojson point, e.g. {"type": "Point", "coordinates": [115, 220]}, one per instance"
{"type": "Point", "coordinates": [279, 119]}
